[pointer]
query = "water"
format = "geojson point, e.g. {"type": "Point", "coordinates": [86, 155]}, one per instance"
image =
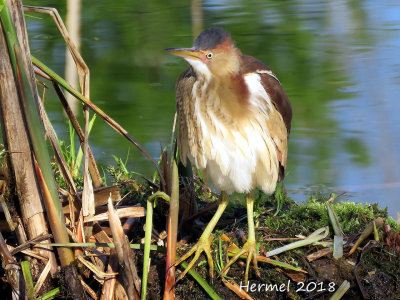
{"type": "Point", "coordinates": [338, 61]}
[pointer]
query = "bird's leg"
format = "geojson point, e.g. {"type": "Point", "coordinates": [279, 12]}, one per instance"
{"type": "Point", "coordinates": [250, 247]}
{"type": "Point", "coordinates": [204, 243]}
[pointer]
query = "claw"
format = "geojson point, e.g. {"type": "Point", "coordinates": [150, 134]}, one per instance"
{"type": "Point", "coordinates": [250, 249]}
{"type": "Point", "coordinates": [204, 244]}
{"type": "Point", "coordinates": [250, 246]}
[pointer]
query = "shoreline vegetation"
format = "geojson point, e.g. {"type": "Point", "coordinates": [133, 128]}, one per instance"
{"type": "Point", "coordinates": [67, 231]}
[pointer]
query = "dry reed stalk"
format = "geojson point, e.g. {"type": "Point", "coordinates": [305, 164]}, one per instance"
{"type": "Point", "coordinates": [83, 74]}
{"type": "Point", "coordinates": [126, 212]}
{"type": "Point", "coordinates": [75, 124]}
{"type": "Point", "coordinates": [62, 164]}
{"type": "Point", "coordinates": [369, 229]}
{"type": "Point", "coordinates": [100, 198]}
{"type": "Point", "coordinates": [58, 229]}
{"type": "Point", "coordinates": [128, 272]}
{"type": "Point", "coordinates": [109, 287]}
{"type": "Point", "coordinates": [169, 290]}
{"type": "Point", "coordinates": [20, 171]}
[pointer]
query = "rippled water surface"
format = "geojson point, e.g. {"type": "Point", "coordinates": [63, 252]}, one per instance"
{"type": "Point", "coordinates": [338, 61]}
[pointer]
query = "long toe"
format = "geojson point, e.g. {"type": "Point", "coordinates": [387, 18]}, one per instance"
{"type": "Point", "coordinates": [250, 250]}
{"type": "Point", "coordinates": [256, 265]}
{"type": "Point", "coordinates": [203, 245]}
{"type": "Point", "coordinates": [251, 257]}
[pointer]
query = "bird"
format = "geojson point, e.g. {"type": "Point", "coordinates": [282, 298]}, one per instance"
{"type": "Point", "coordinates": [234, 124]}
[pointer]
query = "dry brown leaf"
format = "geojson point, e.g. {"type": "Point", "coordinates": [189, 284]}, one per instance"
{"type": "Point", "coordinates": [234, 287]}
{"type": "Point", "coordinates": [296, 276]}
{"type": "Point", "coordinates": [319, 254]}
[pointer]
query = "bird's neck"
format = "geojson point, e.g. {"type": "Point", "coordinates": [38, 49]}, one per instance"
{"type": "Point", "coordinates": [228, 94]}
{"type": "Point", "coordinates": [231, 89]}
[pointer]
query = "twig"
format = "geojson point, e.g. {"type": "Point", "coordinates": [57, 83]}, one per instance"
{"type": "Point", "coordinates": [97, 110]}
{"type": "Point", "coordinates": [10, 222]}
{"type": "Point", "coordinates": [89, 290]}
{"type": "Point", "coordinates": [94, 171]}
{"type": "Point", "coordinates": [367, 231]}
{"type": "Point", "coordinates": [42, 277]}
{"type": "Point", "coordinates": [94, 269]}
{"type": "Point", "coordinates": [29, 243]}
{"type": "Point", "coordinates": [7, 256]}
{"type": "Point", "coordinates": [127, 212]}
{"type": "Point", "coordinates": [62, 164]}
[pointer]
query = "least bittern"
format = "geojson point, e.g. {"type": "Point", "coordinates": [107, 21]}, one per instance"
{"type": "Point", "coordinates": [234, 124]}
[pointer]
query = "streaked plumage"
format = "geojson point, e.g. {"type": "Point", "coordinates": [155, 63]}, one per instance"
{"type": "Point", "coordinates": [225, 134]}
{"type": "Point", "coordinates": [234, 117]}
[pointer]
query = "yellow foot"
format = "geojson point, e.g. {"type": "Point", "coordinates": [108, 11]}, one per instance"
{"type": "Point", "coordinates": [250, 250]}
{"type": "Point", "coordinates": [204, 244]}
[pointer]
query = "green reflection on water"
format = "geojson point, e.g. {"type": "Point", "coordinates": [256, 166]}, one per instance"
{"type": "Point", "coordinates": [133, 80]}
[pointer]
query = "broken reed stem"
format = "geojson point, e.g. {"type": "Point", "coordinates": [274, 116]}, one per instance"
{"type": "Point", "coordinates": [55, 219]}
{"type": "Point", "coordinates": [8, 258]}
{"type": "Point", "coordinates": [94, 171]}
{"type": "Point", "coordinates": [128, 274]}
{"type": "Point", "coordinates": [367, 231]}
{"type": "Point", "coordinates": [88, 207]}
{"type": "Point", "coordinates": [98, 111]}
{"type": "Point", "coordinates": [62, 164]}
{"type": "Point", "coordinates": [83, 73]}
{"type": "Point", "coordinates": [21, 126]}
{"type": "Point", "coordinates": [169, 290]}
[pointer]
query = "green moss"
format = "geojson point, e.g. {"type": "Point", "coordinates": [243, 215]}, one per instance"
{"type": "Point", "coordinates": [307, 217]}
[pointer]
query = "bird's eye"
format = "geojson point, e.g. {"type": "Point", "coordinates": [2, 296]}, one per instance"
{"type": "Point", "coordinates": [209, 55]}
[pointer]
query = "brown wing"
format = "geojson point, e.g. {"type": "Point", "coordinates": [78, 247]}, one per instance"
{"type": "Point", "coordinates": [271, 85]}
{"type": "Point", "coordinates": [183, 94]}
{"type": "Point", "coordinates": [279, 121]}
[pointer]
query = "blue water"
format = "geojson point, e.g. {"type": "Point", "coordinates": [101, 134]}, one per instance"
{"type": "Point", "coordinates": [338, 61]}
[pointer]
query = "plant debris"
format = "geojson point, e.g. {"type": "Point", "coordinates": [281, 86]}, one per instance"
{"type": "Point", "coordinates": [107, 249]}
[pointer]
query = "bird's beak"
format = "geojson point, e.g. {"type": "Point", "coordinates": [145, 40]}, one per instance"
{"type": "Point", "coordinates": [187, 53]}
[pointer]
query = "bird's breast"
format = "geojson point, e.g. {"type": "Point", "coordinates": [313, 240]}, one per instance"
{"type": "Point", "coordinates": [227, 139]}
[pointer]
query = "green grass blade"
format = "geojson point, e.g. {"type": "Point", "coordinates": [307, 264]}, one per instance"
{"type": "Point", "coordinates": [316, 236]}
{"type": "Point", "coordinates": [50, 295]}
{"type": "Point", "coordinates": [221, 260]}
{"type": "Point", "coordinates": [338, 238]}
{"type": "Point", "coordinates": [151, 202]}
{"type": "Point", "coordinates": [279, 198]}
{"type": "Point", "coordinates": [207, 288]}
{"type": "Point", "coordinates": [28, 280]}
{"type": "Point", "coordinates": [334, 219]}
{"type": "Point", "coordinates": [284, 265]}
{"type": "Point", "coordinates": [344, 287]}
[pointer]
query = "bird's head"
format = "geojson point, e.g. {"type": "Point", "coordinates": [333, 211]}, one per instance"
{"type": "Point", "coordinates": [213, 54]}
